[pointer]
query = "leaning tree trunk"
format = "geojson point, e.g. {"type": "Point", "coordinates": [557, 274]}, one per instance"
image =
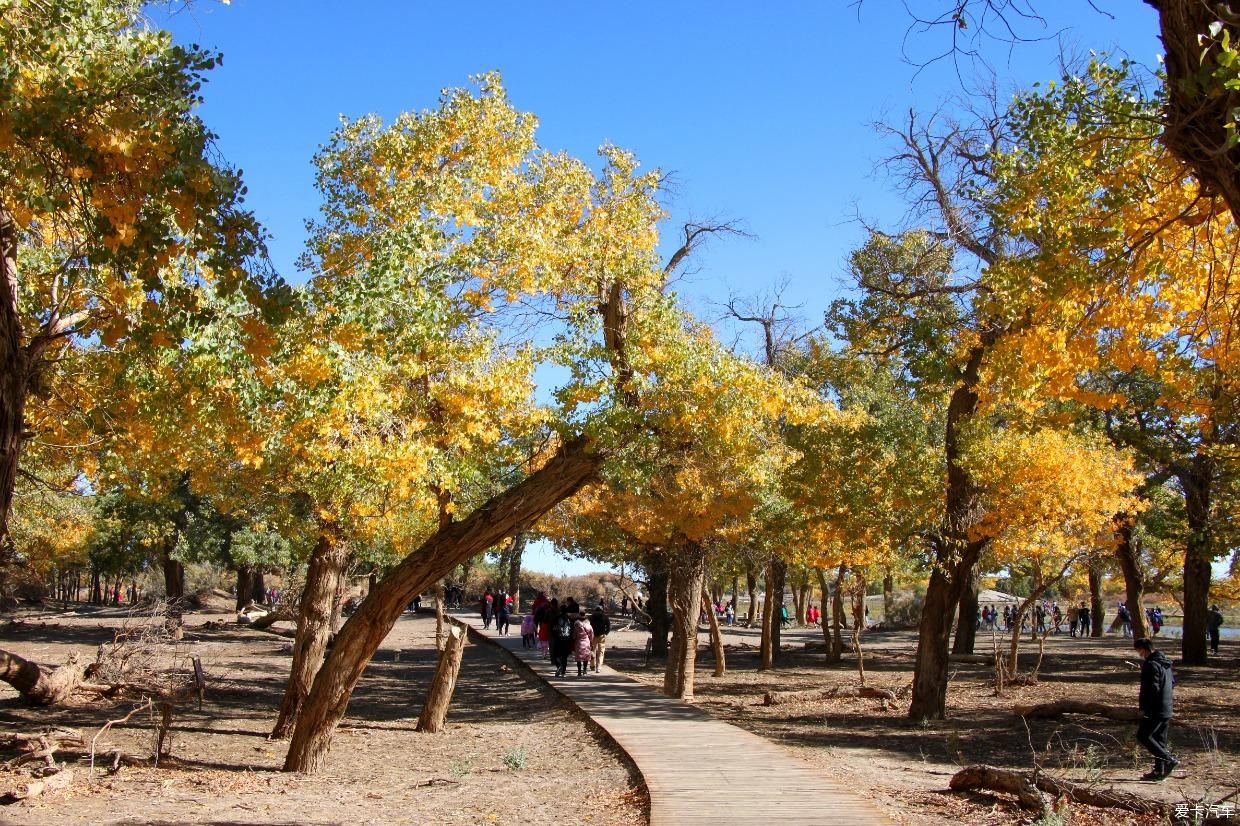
{"type": "Point", "coordinates": [1096, 608]}
{"type": "Point", "coordinates": [573, 465]}
{"type": "Point", "coordinates": [1198, 555]}
{"type": "Point", "coordinates": [1134, 581]}
{"type": "Point", "coordinates": [435, 710]}
{"type": "Point", "coordinates": [716, 639]}
{"type": "Point", "coordinates": [45, 687]}
{"type": "Point", "coordinates": [966, 625]}
{"type": "Point", "coordinates": [685, 595]}
{"type": "Point", "coordinates": [314, 625]}
{"type": "Point", "coordinates": [656, 604]}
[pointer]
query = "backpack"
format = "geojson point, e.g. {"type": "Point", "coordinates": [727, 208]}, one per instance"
{"type": "Point", "coordinates": [564, 628]}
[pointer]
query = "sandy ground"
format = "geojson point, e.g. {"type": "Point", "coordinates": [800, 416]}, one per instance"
{"type": "Point", "coordinates": [905, 766]}
{"type": "Point", "coordinates": [512, 752]}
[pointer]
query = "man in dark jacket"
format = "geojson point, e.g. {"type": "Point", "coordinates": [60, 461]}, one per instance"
{"type": "Point", "coordinates": [1155, 704]}
{"type": "Point", "coordinates": [601, 624]}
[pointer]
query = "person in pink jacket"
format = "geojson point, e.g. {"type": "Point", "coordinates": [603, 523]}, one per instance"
{"type": "Point", "coordinates": [583, 642]}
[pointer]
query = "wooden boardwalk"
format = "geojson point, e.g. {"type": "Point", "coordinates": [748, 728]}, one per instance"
{"type": "Point", "coordinates": [698, 770]}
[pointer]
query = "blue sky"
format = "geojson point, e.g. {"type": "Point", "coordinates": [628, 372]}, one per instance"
{"type": "Point", "coordinates": [762, 112]}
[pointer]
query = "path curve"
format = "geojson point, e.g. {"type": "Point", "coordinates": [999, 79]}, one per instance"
{"type": "Point", "coordinates": [698, 770]}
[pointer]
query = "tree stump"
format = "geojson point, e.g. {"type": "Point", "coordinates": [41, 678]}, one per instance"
{"type": "Point", "coordinates": [435, 712]}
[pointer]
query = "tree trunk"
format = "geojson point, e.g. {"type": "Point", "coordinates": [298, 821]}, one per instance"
{"type": "Point", "coordinates": [314, 625]}
{"type": "Point", "coordinates": [736, 584]}
{"type": "Point", "coordinates": [573, 465]}
{"type": "Point", "coordinates": [1197, 484]}
{"type": "Point", "coordinates": [245, 579]}
{"type": "Point", "coordinates": [258, 586]}
{"type": "Point", "coordinates": [837, 619]}
{"type": "Point", "coordinates": [716, 639]}
{"type": "Point", "coordinates": [955, 554]}
{"type": "Point", "coordinates": [825, 595]}
{"type": "Point", "coordinates": [435, 711]}
{"type": "Point", "coordinates": [858, 608]}
{"type": "Point", "coordinates": [515, 553]}
{"type": "Point", "coordinates": [15, 375]}
{"type": "Point", "coordinates": [45, 687]}
{"type": "Point", "coordinates": [1197, 111]}
{"type": "Point", "coordinates": [766, 656]}
{"type": "Point", "coordinates": [1096, 608]}
{"type": "Point", "coordinates": [688, 569]}
{"type": "Point", "coordinates": [966, 625]}
{"type": "Point", "coordinates": [889, 587]}
{"type": "Point", "coordinates": [439, 630]}
{"type": "Point", "coordinates": [776, 577]}
{"type": "Point", "coordinates": [656, 604]}
{"type": "Point", "coordinates": [174, 575]}
{"type": "Point", "coordinates": [751, 585]}
{"type": "Point", "coordinates": [1134, 581]}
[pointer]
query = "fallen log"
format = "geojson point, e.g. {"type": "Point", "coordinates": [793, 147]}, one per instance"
{"type": "Point", "coordinates": [39, 684]}
{"type": "Point", "coordinates": [772, 698]}
{"type": "Point", "coordinates": [1061, 707]}
{"type": "Point", "coordinates": [1018, 784]}
{"type": "Point", "coordinates": [1031, 790]}
{"type": "Point", "coordinates": [61, 779]}
{"type": "Point", "coordinates": [42, 746]}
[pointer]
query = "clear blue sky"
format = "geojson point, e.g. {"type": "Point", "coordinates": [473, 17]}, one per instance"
{"type": "Point", "coordinates": [763, 112]}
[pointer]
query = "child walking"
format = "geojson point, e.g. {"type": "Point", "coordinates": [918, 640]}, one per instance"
{"type": "Point", "coordinates": [528, 630]}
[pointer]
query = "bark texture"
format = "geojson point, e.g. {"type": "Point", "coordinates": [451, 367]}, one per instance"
{"type": "Point", "coordinates": [1197, 111]}
{"type": "Point", "coordinates": [435, 711]}
{"type": "Point", "coordinates": [716, 639]}
{"type": "Point", "coordinates": [966, 625]}
{"type": "Point", "coordinates": [656, 603]}
{"type": "Point", "coordinates": [39, 685]}
{"type": "Point", "coordinates": [955, 553]}
{"type": "Point", "coordinates": [1134, 580]}
{"type": "Point", "coordinates": [314, 625]}
{"type": "Point", "coordinates": [688, 570]}
{"type": "Point", "coordinates": [573, 465]}
{"type": "Point", "coordinates": [1197, 481]}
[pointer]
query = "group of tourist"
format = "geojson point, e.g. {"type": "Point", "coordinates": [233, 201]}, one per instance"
{"type": "Point", "coordinates": [559, 630]}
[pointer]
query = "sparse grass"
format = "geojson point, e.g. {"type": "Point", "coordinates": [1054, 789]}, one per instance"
{"type": "Point", "coordinates": [514, 759]}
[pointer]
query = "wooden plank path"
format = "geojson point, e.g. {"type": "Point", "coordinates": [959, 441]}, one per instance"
{"type": "Point", "coordinates": [698, 770]}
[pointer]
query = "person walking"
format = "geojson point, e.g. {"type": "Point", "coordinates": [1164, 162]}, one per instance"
{"type": "Point", "coordinates": [487, 606]}
{"type": "Point", "coordinates": [1154, 701]}
{"type": "Point", "coordinates": [1125, 620]}
{"type": "Point", "coordinates": [1214, 627]}
{"type": "Point", "coordinates": [600, 624]}
{"type": "Point", "coordinates": [561, 641]}
{"type": "Point", "coordinates": [1082, 614]}
{"type": "Point", "coordinates": [583, 642]}
{"type": "Point", "coordinates": [502, 608]}
{"type": "Point", "coordinates": [544, 617]}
